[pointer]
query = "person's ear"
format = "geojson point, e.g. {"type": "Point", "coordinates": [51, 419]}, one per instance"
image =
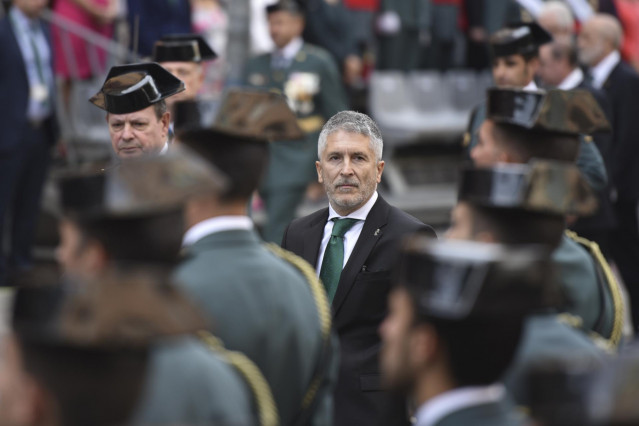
{"type": "Point", "coordinates": [380, 170]}
{"type": "Point", "coordinates": [318, 168]}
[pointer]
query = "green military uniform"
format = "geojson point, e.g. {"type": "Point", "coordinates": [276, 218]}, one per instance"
{"type": "Point", "coordinates": [501, 413]}
{"type": "Point", "coordinates": [592, 294]}
{"type": "Point", "coordinates": [313, 87]}
{"type": "Point", "coordinates": [548, 340]}
{"type": "Point", "coordinates": [260, 305]}
{"type": "Point", "coordinates": [187, 383]}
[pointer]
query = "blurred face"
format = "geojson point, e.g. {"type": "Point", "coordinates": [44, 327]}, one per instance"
{"type": "Point", "coordinates": [349, 171]}
{"type": "Point", "coordinates": [551, 71]}
{"type": "Point", "coordinates": [396, 357]}
{"type": "Point", "coordinates": [31, 8]}
{"type": "Point", "coordinates": [138, 133]}
{"type": "Point", "coordinates": [461, 224]}
{"type": "Point", "coordinates": [513, 71]}
{"type": "Point", "coordinates": [17, 396]}
{"type": "Point", "coordinates": [191, 73]}
{"type": "Point", "coordinates": [592, 47]}
{"type": "Point", "coordinates": [284, 27]}
{"type": "Point", "coordinates": [487, 152]}
{"type": "Point", "coordinates": [74, 254]}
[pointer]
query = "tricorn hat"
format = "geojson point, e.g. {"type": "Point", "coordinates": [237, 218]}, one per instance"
{"type": "Point", "coordinates": [182, 48]}
{"type": "Point", "coordinates": [139, 186]}
{"type": "Point", "coordinates": [128, 308]}
{"type": "Point", "coordinates": [130, 88]}
{"type": "Point", "coordinates": [544, 186]}
{"type": "Point", "coordinates": [462, 280]}
{"type": "Point", "coordinates": [570, 112]}
{"type": "Point", "coordinates": [519, 39]}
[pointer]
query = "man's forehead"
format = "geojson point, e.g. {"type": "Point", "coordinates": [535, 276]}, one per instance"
{"type": "Point", "coordinates": [145, 113]}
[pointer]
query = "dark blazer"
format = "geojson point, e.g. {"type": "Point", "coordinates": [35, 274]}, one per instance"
{"type": "Point", "coordinates": [14, 88]}
{"type": "Point", "coordinates": [359, 307]}
{"type": "Point", "coordinates": [603, 219]}
{"type": "Point", "coordinates": [622, 88]}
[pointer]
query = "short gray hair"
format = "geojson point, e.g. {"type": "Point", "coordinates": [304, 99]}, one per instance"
{"type": "Point", "coordinates": [352, 122]}
{"type": "Point", "coordinates": [561, 12]}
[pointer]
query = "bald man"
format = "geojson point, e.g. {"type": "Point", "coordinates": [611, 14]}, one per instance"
{"type": "Point", "coordinates": [599, 44]}
{"type": "Point", "coordinates": [556, 18]}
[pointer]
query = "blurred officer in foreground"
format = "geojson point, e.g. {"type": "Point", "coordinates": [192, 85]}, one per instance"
{"type": "Point", "coordinates": [515, 52]}
{"type": "Point", "coordinates": [519, 204]}
{"type": "Point", "coordinates": [455, 320]}
{"type": "Point", "coordinates": [261, 300]}
{"type": "Point", "coordinates": [183, 55]}
{"type": "Point", "coordinates": [523, 125]}
{"type": "Point", "coordinates": [134, 98]}
{"type": "Point", "coordinates": [133, 215]}
{"type": "Point", "coordinates": [309, 78]}
{"type": "Point", "coordinates": [79, 351]}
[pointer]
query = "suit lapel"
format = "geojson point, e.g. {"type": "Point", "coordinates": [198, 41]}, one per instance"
{"type": "Point", "coordinates": [371, 233]}
{"type": "Point", "coordinates": [13, 44]}
{"type": "Point", "coordinates": [313, 238]}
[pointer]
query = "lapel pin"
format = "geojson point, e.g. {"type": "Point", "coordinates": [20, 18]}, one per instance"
{"type": "Point", "coordinates": [376, 232]}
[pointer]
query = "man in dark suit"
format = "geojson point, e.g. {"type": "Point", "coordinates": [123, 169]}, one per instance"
{"type": "Point", "coordinates": [559, 68]}
{"type": "Point", "coordinates": [352, 245]}
{"type": "Point", "coordinates": [599, 44]}
{"type": "Point", "coordinates": [27, 119]}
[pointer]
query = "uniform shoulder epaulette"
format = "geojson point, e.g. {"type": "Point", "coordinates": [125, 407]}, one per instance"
{"type": "Point", "coordinates": [317, 51]}
{"type": "Point", "coordinates": [611, 282]}
{"type": "Point", "coordinates": [267, 410]}
{"type": "Point", "coordinates": [324, 314]}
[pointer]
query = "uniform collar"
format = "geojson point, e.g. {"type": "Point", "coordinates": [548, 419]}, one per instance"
{"type": "Point", "coordinates": [435, 409]}
{"type": "Point", "coordinates": [290, 50]}
{"type": "Point", "coordinates": [360, 213]}
{"type": "Point", "coordinates": [215, 225]}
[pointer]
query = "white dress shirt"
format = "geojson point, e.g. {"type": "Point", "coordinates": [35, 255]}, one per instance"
{"type": "Point", "coordinates": [214, 225]}
{"type": "Point", "coordinates": [531, 87]}
{"type": "Point", "coordinates": [572, 80]}
{"type": "Point", "coordinates": [602, 70]}
{"type": "Point", "coordinates": [289, 51]}
{"type": "Point", "coordinates": [435, 409]}
{"type": "Point", "coordinates": [165, 148]}
{"type": "Point", "coordinates": [351, 236]}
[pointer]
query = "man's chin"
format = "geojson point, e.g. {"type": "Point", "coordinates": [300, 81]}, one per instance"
{"type": "Point", "coordinates": [130, 153]}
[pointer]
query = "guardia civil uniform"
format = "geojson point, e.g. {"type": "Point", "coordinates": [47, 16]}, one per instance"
{"type": "Point", "coordinates": [525, 39]}
{"type": "Point", "coordinates": [310, 80]}
{"type": "Point", "coordinates": [191, 378]}
{"type": "Point", "coordinates": [593, 293]}
{"type": "Point", "coordinates": [548, 187]}
{"type": "Point", "coordinates": [453, 283]}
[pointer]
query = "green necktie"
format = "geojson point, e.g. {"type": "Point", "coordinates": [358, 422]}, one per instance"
{"type": "Point", "coordinates": [333, 261]}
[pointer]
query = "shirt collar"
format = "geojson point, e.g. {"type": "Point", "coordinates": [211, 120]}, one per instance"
{"type": "Point", "coordinates": [572, 80]}
{"type": "Point", "coordinates": [531, 87]}
{"type": "Point", "coordinates": [602, 70]}
{"type": "Point", "coordinates": [290, 50]}
{"type": "Point", "coordinates": [165, 148]}
{"type": "Point", "coordinates": [360, 213]}
{"type": "Point", "coordinates": [24, 22]}
{"type": "Point", "coordinates": [214, 225]}
{"type": "Point", "coordinates": [446, 403]}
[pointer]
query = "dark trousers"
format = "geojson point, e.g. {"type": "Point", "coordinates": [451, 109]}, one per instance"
{"type": "Point", "coordinates": [625, 250]}
{"type": "Point", "coordinates": [22, 174]}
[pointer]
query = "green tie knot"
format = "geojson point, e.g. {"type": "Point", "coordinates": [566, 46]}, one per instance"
{"type": "Point", "coordinates": [342, 226]}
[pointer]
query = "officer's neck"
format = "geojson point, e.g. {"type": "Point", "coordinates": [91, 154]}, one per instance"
{"type": "Point", "coordinates": [202, 208]}
{"type": "Point", "coordinates": [433, 381]}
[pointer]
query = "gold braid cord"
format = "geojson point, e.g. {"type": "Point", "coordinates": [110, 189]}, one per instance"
{"type": "Point", "coordinates": [613, 286]}
{"type": "Point", "coordinates": [266, 407]}
{"type": "Point", "coordinates": [321, 303]}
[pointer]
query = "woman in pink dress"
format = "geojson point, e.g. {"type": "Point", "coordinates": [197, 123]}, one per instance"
{"type": "Point", "coordinates": [75, 58]}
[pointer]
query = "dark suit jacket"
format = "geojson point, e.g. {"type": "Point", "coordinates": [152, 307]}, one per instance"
{"type": "Point", "coordinates": [603, 219]}
{"type": "Point", "coordinates": [622, 88]}
{"type": "Point", "coordinates": [14, 89]}
{"type": "Point", "coordinates": [359, 307]}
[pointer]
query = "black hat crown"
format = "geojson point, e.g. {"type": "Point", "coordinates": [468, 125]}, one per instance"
{"type": "Point", "coordinates": [519, 39]}
{"type": "Point", "coordinates": [182, 48]}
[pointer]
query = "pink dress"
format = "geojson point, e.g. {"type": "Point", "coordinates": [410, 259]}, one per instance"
{"type": "Point", "coordinates": [71, 52]}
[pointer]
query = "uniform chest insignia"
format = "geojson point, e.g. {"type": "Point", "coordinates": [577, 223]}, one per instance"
{"type": "Point", "coordinates": [300, 57]}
